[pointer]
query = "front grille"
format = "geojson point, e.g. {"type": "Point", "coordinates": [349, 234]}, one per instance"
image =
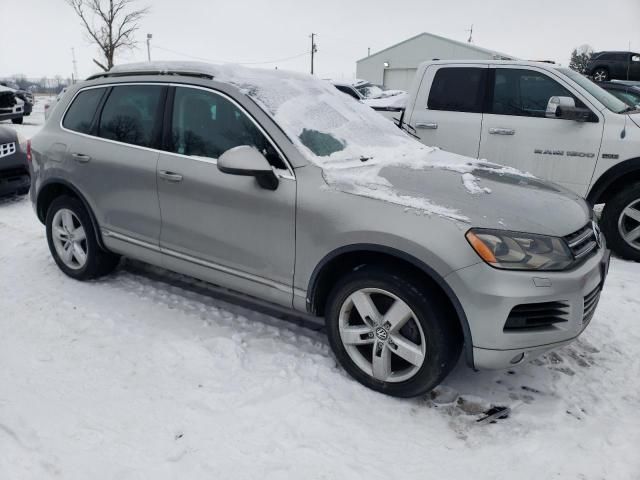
{"type": "Point", "coordinates": [537, 315]}
{"type": "Point", "coordinates": [7, 149]}
{"type": "Point", "coordinates": [590, 304]}
{"type": "Point", "coordinates": [583, 242]}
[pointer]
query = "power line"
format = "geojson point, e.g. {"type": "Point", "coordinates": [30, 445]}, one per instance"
{"type": "Point", "coordinates": [223, 61]}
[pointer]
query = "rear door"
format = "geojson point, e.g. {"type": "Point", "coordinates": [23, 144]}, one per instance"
{"type": "Point", "coordinates": [448, 108]}
{"type": "Point", "coordinates": [220, 227]}
{"type": "Point", "coordinates": [516, 132]}
{"type": "Point", "coordinates": [113, 161]}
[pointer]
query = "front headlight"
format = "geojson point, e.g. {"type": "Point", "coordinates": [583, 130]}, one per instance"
{"type": "Point", "coordinates": [520, 251]}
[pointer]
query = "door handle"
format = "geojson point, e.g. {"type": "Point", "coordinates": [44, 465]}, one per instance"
{"type": "Point", "coordinates": [170, 176]}
{"type": "Point", "coordinates": [502, 131]}
{"type": "Point", "coordinates": [427, 126]}
{"type": "Point", "coordinates": [81, 157]}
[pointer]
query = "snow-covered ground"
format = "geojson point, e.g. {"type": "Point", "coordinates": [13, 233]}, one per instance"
{"type": "Point", "coordinates": [135, 376]}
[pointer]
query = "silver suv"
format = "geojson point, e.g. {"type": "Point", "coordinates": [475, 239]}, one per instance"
{"type": "Point", "coordinates": [278, 186]}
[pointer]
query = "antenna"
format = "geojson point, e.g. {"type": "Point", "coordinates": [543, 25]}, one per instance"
{"type": "Point", "coordinates": [470, 34]}
{"type": "Point", "coordinates": [75, 64]}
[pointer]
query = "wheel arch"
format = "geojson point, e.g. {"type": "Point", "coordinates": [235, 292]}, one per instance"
{"type": "Point", "coordinates": [610, 181]}
{"type": "Point", "coordinates": [56, 187]}
{"type": "Point", "coordinates": [347, 258]}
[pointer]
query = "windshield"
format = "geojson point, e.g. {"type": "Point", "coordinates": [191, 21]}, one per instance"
{"type": "Point", "coordinates": [370, 91]}
{"type": "Point", "coordinates": [604, 97]}
{"type": "Point", "coordinates": [327, 125]}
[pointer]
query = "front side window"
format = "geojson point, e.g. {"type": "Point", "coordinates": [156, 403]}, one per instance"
{"type": "Point", "coordinates": [80, 115]}
{"type": "Point", "coordinates": [525, 93]}
{"type": "Point", "coordinates": [130, 114]}
{"type": "Point", "coordinates": [458, 89]}
{"type": "Point", "coordinates": [205, 124]}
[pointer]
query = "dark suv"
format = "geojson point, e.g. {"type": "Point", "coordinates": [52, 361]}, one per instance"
{"type": "Point", "coordinates": [605, 66]}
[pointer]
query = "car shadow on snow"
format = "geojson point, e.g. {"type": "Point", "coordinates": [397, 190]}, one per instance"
{"type": "Point", "coordinates": [469, 397]}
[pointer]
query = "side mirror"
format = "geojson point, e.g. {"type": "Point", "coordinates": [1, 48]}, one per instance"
{"type": "Point", "coordinates": [248, 161]}
{"type": "Point", "coordinates": [565, 109]}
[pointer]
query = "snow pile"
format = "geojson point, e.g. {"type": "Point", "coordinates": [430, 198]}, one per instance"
{"type": "Point", "coordinates": [334, 132]}
{"type": "Point", "coordinates": [471, 184]}
{"type": "Point", "coordinates": [398, 100]}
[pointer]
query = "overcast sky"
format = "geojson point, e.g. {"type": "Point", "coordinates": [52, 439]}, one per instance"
{"type": "Point", "coordinates": [38, 39]}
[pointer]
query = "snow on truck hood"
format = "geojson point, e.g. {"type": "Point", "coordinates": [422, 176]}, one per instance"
{"type": "Point", "coordinates": [349, 141]}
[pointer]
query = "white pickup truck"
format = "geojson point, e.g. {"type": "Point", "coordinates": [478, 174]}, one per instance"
{"type": "Point", "coordinates": [543, 119]}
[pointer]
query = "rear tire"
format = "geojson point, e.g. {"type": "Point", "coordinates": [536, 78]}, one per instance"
{"type": "Point", "coordinates": [376, 351]}
{"type": "Point", "coordinates": [72, 241]}
{"type": "Point", "coordinates": [601, 74]}
{"type": "Point", "coordinates": [621, 222]}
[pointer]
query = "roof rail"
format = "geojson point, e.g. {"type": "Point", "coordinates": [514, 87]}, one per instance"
{"type": "Point", "coordinates": [150, 72]}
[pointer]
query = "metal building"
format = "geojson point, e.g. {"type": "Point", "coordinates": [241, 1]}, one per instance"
{"type": "Point", "coordinates": [395, 66]}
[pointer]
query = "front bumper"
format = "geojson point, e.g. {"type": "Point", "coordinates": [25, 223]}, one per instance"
{"type": "Point", "coordinates": [488, 295]}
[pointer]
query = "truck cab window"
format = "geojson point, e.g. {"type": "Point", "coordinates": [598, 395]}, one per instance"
{"type": "Point", "coordinates": [525, 93]}
{"type": "Point", "coordinates": [458, 89]}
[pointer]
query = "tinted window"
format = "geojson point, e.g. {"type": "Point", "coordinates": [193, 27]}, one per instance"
{"type": "Point", "coordinates": [458, 90]}
{"type": "Point", "coordinates": [130, 114]}
{"type": "Point", "coordinates": [206, 124]}
{"type": "Point", "coordinates": [81, 112]}
{"type": "Point", "coordinates": [525, 92]}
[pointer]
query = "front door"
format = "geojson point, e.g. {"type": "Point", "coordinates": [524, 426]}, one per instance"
{"type": "Point", "coordinates": [516, 132]}
{"type": "Point", "coordinates": [224, 228]}
{"type": "Point", "coordinates": [448, 115]}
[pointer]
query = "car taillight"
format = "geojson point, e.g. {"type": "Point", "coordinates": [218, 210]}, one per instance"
{"type": "Point", "coordinates": [29, 151]}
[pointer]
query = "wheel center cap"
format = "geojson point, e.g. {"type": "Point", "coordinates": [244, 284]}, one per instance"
{"type": "Point", "coordinates": [382, 334]}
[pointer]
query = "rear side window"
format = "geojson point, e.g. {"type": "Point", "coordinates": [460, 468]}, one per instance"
{"type": "Point", "coordinates": [130, 114]}
{"type": "Point", "coordinates": [81, 112]}
{"type": "Point", "coordinates": [458, 90]}
{"type": "Point", "coordinates": [525, 93]}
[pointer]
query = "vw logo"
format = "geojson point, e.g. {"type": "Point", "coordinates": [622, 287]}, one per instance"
{"type": "Point", "coordinates": [381, 333]}
{"type": "Point", "coordinates": [596, 232]}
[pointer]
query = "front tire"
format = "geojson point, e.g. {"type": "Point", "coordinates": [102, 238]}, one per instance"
{"type": "Point", "coordinates": [72, 241]}
{"type": "Point", "coordinates": [621, 222]}
{"type": "Point", "coordinates": [390, 335]}
{"type": "Point", "coordinates": [601, 75]}
{"type": "Point", "coordinates": [17, 121]}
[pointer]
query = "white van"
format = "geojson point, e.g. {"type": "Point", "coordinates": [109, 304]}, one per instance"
{"type": "Point", "coordinates": [543, 119]}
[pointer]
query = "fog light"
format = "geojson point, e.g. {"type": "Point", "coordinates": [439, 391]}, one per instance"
{"type": "Point", "coordinates": [517, 359]}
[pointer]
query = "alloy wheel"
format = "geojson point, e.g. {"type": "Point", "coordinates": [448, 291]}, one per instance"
{"type": "Point", "coordinates": [382, 335]}
{"type": "Point", "coordinates": [69, 239]}
{"type": "Point", "coordinates": [600, 76]}
{"type": "Point", "coordinates": [629, 224]}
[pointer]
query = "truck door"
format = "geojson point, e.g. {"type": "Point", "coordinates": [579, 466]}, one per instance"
{"type": "Point", "coordinates": [516, 132]}
{"type": "Point", "coordinates": [448, 107]}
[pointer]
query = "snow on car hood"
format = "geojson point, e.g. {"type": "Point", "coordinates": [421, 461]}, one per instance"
{"type": "Point", "coordinates": [348, 140]}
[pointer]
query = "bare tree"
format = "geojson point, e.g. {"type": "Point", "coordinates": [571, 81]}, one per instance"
{"type": "Point", "coordinates": [111, 24]}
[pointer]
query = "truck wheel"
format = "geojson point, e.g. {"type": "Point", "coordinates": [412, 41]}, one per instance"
{"type": "Point", "coordinates": [17, 121]}
{"type": "Point", "coordinates": [72, 241]}
{"type": "Point", "coordinates": [390, 335]}
{"type": "Point", "coordinates": [601, 74]}
{"type": "Point", "coordinates": [621, 222]}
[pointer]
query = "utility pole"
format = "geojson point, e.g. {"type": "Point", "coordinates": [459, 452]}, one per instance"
{"type": "Point", "coordinates": [149, 37]}
{"type": "Point", "coordinates": [314, 49]}
{"type": "Point", "coordinates": [368, 51]}
{"type": "Point", "coordinates": [470, 34]}
{"type": "Point", "coordinates": [75, 65]}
